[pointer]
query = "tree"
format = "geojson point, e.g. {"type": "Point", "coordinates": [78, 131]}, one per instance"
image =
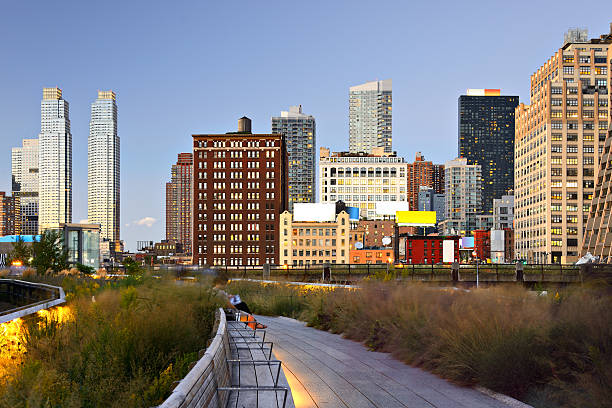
{"type": "Point", "coordinates": [49, 253]}
{"type": "Point", "coordinates": [132, 267]}
{"type": "Point", "coordinates": [21, 252]}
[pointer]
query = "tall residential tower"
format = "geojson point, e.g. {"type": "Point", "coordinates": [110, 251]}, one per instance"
{"type": "Point", "coordinates": [103, 179]}
{"type": "Point", "coordinates": [463, 195]}
{"type": "Point", "coordinates": [300, 135]}
{"type": "Point", "coordinates": [370, 117]}
{"type": "Point", "coordinates": [486, 138]}
{"type": "Point", "coordinates": [25, 174]}
{"type": "Point", "coordinates": [55, 160]}
{"type": "Point", "coordinates": [178, 202]}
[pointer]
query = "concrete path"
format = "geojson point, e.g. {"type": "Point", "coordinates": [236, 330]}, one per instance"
{"type": "Point", "coordinates": [326, 370]}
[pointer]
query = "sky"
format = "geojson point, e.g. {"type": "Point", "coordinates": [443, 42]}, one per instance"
{"type": "Point", "coordinates": [187, 67]}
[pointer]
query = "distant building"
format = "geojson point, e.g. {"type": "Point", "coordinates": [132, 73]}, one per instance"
{"type": "Point", "coordinates": [429, 200]}
{"type": "Point", "coordinates": [419, 249]}
{"type": "Point", "coordinates": [486, 138]}
{"type": "Point", "coordinates": [377, 233]}
{"type": "Point", "coordinates": [81, 242]}
{"type": "Point", "coordinates": [503, 212]}
{"type": "Point", "coordinates": [103, 167]}
{"type": "Point", "coordinates": [299, 131]}
{"type": "Point", "coordinates": [370, 117]}
{"type": "Point", "coordinates": [55, 160]}
{"type": "Point", "coordinates": [25, 183]}
{"type": "Point", "coordinates": [111, 251]}
{"type": "Point", "coordinates": [559, 139]}
{"type": "Point", "coordinates": [361, 180]}
{"type": "Point", "coordinates": [179, 210]}
{"type": "Point", "coordinates": [372, 256]}
{"type": "Point", "coordinates": [463, 197]}
{"type": "Point", "coordinates": [482, 244]}
{"type": "Point", "coordinates": [240, 190]}
{"type": "Point", "coordinates": [423, 173]}
{"type": "Point", "coordinates": [10, 215]}
{"type": "Point", "coordinates": [307, 242]}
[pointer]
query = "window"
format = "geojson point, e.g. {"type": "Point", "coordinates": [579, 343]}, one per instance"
{"type": "Point", "coordinates": [585, 70]}
{"type": "Point", "coordinates": [568, 70]}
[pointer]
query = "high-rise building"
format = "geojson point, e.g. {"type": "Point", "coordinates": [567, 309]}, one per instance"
{"type": "Point", "coordinates": [10, 215]}
{"type": "Point", "coordinates": [598, 233]}
{"type": "Point", "coordinates": [103, 176]}
{"type": "Point", "coordinates": [559, 138]}
{"type": "Point", "coordinates": [178, 202]}
{"type": "Point", "coordinates": [299, 131]}
{"type": "Point", "coordinates": [25, 183]}
{"type": "Point", "coordinates": [486, 138]}
{"type": "Point", "coordinates": [503, 212]}
{"type": "Point", "coordinates": [361, 180]}
{"type": "Point", "coordinates": [423, 173]}
{"type": "Point", "coordinates": [463, 195]}
{"type": "Point", "coordinates": [240, 190]}
{"type": "Point", "coordinates": [429, 200]}
{"type": "Point", "coordinates": [370, 117]}
{"type": "Point", "coordinates": [55, 160]}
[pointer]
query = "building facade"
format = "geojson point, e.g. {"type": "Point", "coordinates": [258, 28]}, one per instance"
{"type": "Point", "coordinates": [486, 138]}
{"type": "Point", "coordinates": [377, 233]}
{"type": "Point", "coordinates": [372, 256]}
{"type": "Point", "coordinates": [429, 200]}
{"type": "Point", "coordinates": [299, 131]}
{"type": "Point", "coordinates": [240, 189]}
{"type": "Point", "coordinates": [361, 180]}
{"type": "Point", "coordinates": [179, 191]}
{"type": "Point", "coordinates": [10, 215]}
{"type": "Point", "coordinates": [55, 160]}
{"type": "Point", "coordinates": [25, 183]}
{"type": "Point", "coordinates": [503, 212]}
{"type": "Point", "coordinates": [312, 242]}
{"type": "Point", "coordinates": [370, 117]}
{"type": "Point", "coordinates": [559, 138]}
{"type": "Point", "coordinates": [419, 249]}
{"type": "Point", "coordinates": [81, 242]}
{"type": "Point", "coordinates": [423, 173]}
{"type": "Point", "coordinates": [103, 167]}
{"type": "Point", "coordinates": [463, 197]}
{"type": "Point", "coordinates": [598, 233]}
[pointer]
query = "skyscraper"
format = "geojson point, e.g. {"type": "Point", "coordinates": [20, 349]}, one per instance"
{"type": "Point", "coordinates": [463, 194]}
{"type": "Point", "coordinates": [240, 190]}
{"type": "Point", "coordinates": [370, 117]}
{"type": "Point", "coordinates": [299, 131]}
{"type": "Point", "coordinates": [486, 138]}
{"type": "Point", "coordinates": [178, 202]}
{"type": "Point", "coordinates": [423, 173]}
{"type": "Point", "coordinates": [25, 174]}
{"type": "Point", "coordinates": [103, 176]}
{"type": "Point", "coordinates": [559, 139]}
{"type": "Point", "coordinates": [55, 160]}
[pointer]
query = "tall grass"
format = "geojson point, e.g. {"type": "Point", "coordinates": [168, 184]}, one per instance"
{"type": "Point", "coordinates": [549, 351]}
{"type": "Point", "coordinates": [123, 349]}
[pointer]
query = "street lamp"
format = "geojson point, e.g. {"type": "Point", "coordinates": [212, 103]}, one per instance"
{"type": "Point", "coordinates": [474, 254]}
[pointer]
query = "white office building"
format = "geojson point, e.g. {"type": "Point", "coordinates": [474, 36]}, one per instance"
{"type": "Point", "coordinates": [370, 117]}
{"type": "Point", "coordinates": [362, 180]}
{"type": "Point", "coordinates": [463, 193]}
{"type": "Point", "coordinates": [25, 172]}
{"type": "Point", "coordinates": [55, 160]}
{"type": "Point", "coordinates": [103, 179]}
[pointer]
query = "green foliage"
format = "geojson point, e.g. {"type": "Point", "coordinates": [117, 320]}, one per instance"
{"type": "Point", "coordinates": [132, 267]}
{"type": "Point", "coordinates": [21, 252]}
{"type": "Point", "coordinates": [87, 270]}
{"type": "Point", "coordinates": [48, 253]}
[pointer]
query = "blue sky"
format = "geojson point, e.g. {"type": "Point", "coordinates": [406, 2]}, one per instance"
{"type": "Point", "coordinates": [188, 67]}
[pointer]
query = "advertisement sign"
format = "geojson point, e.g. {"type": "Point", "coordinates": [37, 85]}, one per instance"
{"type": "Point", "coordinates": [466, 242]}
{"type": "Point", "coordinates": [497, 241]}
{"type": "Point", "coordinates": [448, 250]}
{"type": "Point", "coordinates": [314, 212]}
{"type": "Point", "coordinates": [353, 213]}
{"type": "Point", "coordinates": [416, 218]}
{"type": "Point", "coordinates": [390, 207]}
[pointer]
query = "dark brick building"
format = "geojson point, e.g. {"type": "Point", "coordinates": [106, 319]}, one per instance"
{"type": "Point", "coordinates": [419, 249]}
{"type": "Point", "coordinates": [240, 189]}
{"type": "Point", "coordinates": [423, 173]}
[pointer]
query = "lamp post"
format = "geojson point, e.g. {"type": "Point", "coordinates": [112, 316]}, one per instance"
{"type": "Point", "coordinates": [474, 254]}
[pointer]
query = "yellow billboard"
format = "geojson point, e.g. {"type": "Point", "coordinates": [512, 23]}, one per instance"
{"type": "Point", "coordinates": [416, 218]}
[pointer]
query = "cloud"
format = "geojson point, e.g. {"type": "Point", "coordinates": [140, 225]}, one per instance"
{"type": "Point", "coordinates": [146, 221]}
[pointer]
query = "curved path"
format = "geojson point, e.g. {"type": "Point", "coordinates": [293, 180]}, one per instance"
{"type": "Point", "coordinates": [326, 370]}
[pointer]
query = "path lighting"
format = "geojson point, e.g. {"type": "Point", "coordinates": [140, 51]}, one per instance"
{"type": "Point", "coordinates": [474, 254]}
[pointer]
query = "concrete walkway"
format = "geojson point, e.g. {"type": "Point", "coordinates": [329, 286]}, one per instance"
{"type": "Point", "coordinates": [326, 370]}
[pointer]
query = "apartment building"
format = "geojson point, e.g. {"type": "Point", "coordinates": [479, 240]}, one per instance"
{"type": "Point", "coordinates": [423, 173]}
{"type": "Point", "coordinates": [370, 117]}
{"type": "Point", "coordinates": [560, 136]}
{"type": "Point", "coordinates": [178, 202]}
{"type": "Point", "coordinates": [240, 189]}
{"type": "Point", "coordinates": [463, 186]}
{"type": "Point", "coordinates": [10, 215]}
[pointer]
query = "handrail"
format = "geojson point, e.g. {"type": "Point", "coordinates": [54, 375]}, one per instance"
{"type": "Point", "coordinates": [57, 297]}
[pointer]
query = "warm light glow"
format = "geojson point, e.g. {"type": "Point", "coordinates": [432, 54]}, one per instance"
{"type": "Point", "coordinates": [17, 263]}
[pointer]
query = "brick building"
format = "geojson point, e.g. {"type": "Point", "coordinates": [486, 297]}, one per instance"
{"type": "Point", "coordinates": [10, 215]}
{"type": "Point", "coordinates": [418, 249]}
{"type": "Point", "coordinates": [372, 256]}
{"type": "Point", "coordinates": [426, 174]}
{"type": "Point", "coordinates": [482, 244]}
{"type": "Point", "coordinates": [178, 203]}
{"type": "Point", "coordinates": [240, 189]}
{"type": "Point", "coordinates": [375, 230]}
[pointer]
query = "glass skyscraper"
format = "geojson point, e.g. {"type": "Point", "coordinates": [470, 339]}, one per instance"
{"type": "Point", "coordinates": [55, 160]}
{"type": "Point", "coordinates": [486, 138]}
{"type": "Point", "coordinates": [370, 117]}
{"type": "Point", "coordinates": [103, 178]}
{"type": "Point", "coordinates": [25, 174]}
{"type": "Point", "coordinates": [300, 135]}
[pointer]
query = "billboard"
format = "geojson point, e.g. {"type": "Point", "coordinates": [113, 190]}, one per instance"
{"type": "Point", "coordinates": [353, 213]}
{"type": "Point", "coordinates": [497, 241]}
{"type": "Point", "coordinates": [466, 242]}
{"type": "Point", "coordinates": [448, 250]}
{"type": "Point", "coordinates": [483, 92]}
{"type": "Point", "coordinates": [390, 207]}
{"type": "Point", "coordinates": [416, 218]}
{"type": "Point", "coordinates": [314, 212]}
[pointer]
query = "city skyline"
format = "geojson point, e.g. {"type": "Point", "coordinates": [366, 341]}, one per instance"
{"type": "Point", "coordinates": [424, 124]}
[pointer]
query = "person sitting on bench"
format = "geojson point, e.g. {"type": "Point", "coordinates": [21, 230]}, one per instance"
{"type": "Point", "coordinates": [237, 303]}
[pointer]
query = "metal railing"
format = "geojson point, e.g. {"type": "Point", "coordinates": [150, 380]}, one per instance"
{"type": "Point", "coordinates": [28, 298]}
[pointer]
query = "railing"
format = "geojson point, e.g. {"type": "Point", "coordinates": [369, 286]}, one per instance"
{"type": "Point", "coordinates": [27, 298]}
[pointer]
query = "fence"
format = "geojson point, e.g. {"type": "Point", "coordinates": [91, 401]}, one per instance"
{"type": "Point", "coordinates": [22, 298]}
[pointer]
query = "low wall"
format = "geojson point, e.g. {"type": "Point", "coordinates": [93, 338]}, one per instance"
{"type": "Point", "coordinates": [199, 387]}
{"type": "Point", "coordinates": [23, 298]}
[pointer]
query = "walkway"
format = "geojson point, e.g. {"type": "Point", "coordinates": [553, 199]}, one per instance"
{"type": "Point", "coordinates": [326, 370]}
